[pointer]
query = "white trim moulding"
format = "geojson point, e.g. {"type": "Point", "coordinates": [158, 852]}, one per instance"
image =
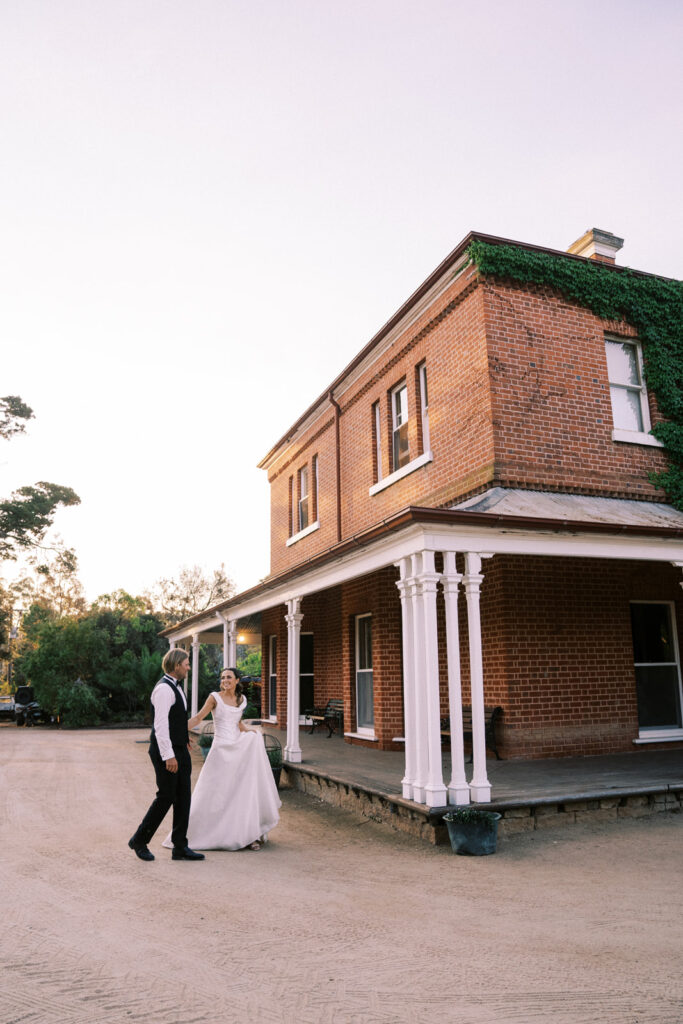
{"type": "Point", "coordinates": [410, 467]}
{"type": "Point", "coordinates": [636, 437]}
{"type": "Point", "coordinates": [303, 533]}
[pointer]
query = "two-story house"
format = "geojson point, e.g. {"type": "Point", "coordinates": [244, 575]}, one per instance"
{"type": "Point", "coordinates": [466, 517]}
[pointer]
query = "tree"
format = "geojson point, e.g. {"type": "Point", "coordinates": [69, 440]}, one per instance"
{"type": "Point", "coordinates": [28, 513]}
{"type": "Point", "coordinates": [192, 591]}
{"type": "Point", "coordinates": [52, 582]}
{"type": "Point", "coordinates": [101, 665]}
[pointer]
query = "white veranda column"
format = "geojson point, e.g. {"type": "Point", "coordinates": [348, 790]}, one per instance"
{"type": "Point", "coordinates": [434, 790]}
{"type": "Point", "coordinates": [232, 644]}
{"type": "Point", "coordinates": [184, 647]}
{"type": "Point", "coordinates": [293, 619]}
{"type": "Point", "coordinates": [226, 651]}
{"type": "Point", "coordinates": [195, 674]}
{"type": "Point", "coordinates": [421, 757]}
{"type": "Point", "coordinates": [409, 695]}
{"type": "Point", "coordinates": [458, 788]}
{"type": "Point", "coordinates": [480, 786]}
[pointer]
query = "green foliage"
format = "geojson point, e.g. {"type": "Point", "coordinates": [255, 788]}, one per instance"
{"type": "Point", "coordinates": [472, 815]}
{"type": "Point", "coordinates": [79, 705]}
{"type": "Point", "coordinates": [205, 739]}
{"type": "Point", "coordinates": [251, 711]}
{"type": "Point", "coordinates": [251, 664]}
{"type": "Point", "coordinates": [114, 649]}
{"type": "Point", "coordinates": [653, 305]}
{"type": "Point", "coordinates": [25, 516]}
{"type": "Point", "coordinates": [274, 756]}
{"type": "Point", "coordinates": [12, 414]}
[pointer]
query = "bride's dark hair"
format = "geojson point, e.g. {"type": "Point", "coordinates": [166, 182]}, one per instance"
{"type": "Point", "coordinates": [238, 687]}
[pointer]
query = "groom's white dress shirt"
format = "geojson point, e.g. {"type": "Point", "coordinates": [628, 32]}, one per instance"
{"type": "Point", "coordinates": [163, 699]}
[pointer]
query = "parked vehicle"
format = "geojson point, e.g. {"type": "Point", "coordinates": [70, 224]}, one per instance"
{"type": "Point", "coordinates": [6, 706]}
{"type": "Point", "coordinates": [26, 707]}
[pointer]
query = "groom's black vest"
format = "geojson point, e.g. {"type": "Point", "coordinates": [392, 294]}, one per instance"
{"type": "Point", "coordinates": [177, 722]}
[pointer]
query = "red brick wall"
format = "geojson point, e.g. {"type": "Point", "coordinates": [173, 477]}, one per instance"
{"type": "Point", "coordinates": [551, 403]}
{"type": "Point", "coordinates": [518, 396]}
{"type": "Point", "coordinates": [560, 659]}
{"type": "Point", "coordinates": [556, 640]}
{"type": "Point", "coordinates": [450, 336]}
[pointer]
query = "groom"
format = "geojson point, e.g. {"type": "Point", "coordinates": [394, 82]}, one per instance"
{"type": "Point", "coordinates": [170, 754]}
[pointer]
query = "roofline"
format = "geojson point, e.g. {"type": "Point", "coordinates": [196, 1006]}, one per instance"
{"type": "Point", "coordinates": [414, 514]}
{"type": "Point", "coordinates": [426, 285]}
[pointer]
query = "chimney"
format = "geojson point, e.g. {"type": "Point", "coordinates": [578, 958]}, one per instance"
{"type": "Point", "coordinates": [597, 244]}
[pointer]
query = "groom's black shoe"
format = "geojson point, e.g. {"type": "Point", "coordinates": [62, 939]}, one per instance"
{"type": "Point", "coordinates": [140, 849]}
{"type": "Point", "coordinates": [185, 853]}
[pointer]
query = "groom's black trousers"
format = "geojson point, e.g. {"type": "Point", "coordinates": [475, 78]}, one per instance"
{"type": "Point", "coordinates": [173, 790]}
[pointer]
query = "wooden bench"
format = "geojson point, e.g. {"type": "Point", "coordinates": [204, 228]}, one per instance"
{"type": "Point", "coordinates": [491, 716]}
{"type": "Point", "coordinates": [332, 715]}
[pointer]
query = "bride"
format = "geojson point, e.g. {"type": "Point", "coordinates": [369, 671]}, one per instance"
{"type": "Point", "coordinates": [235, 802]}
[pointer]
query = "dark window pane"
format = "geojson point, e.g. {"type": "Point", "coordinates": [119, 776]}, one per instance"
{"type": "Point", "coordinates": [364, 643]}
{"type": "Point", "coordinates": [306, 699]}
{"type": "Point", "coordinates": [364, 698]}
{"type": "Point", "coordinates": [652, 640]}
{"type": "Point", "coordinates": [306, 654]}
{"type": "Point", "coordinates": [658, 696]}
{"type": "Point", "coordinates": [401, 449]}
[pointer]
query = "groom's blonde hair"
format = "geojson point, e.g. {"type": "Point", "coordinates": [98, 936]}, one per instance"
{"type": "Point", "coordinates": [174, 658]}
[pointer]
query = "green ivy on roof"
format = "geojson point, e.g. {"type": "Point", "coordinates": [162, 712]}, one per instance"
{"type": "Point", "coordinates": [653, 305]}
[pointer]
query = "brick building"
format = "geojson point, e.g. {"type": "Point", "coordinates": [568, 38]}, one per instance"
{"type": "Point", "coordinates": [465, 518]}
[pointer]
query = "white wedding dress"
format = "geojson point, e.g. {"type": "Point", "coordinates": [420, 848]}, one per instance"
{"type": "Point", "coordinates": [235, 800]}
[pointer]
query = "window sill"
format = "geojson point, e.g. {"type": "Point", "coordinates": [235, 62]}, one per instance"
{"type": "Point", "coordinates": [303, 533]}
{"type": "Point", "coordinates": [362, 736]}
{"type": "Point", "coordinates": [660, 736]}
{"type": "Point", "coordinates": [417, 463]}
{"type": "Point", "coordinates": [636, 437]}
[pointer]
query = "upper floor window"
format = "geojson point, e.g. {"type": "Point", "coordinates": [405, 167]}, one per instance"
{"type": "Point", "coordinates": [377, 439]}
{"type": "Point", "coordinates": [314, 492]}
{"type": "Point", "coordinates": [399, 427]}
{"type": "Point", "coordinates": [627, 388]}
{"type": "Point", "coordinates": [303, 498]}
{"type": "Point", "coordinates": [423, 396]}
{"type": "Point", "coordinates": [292, 526]}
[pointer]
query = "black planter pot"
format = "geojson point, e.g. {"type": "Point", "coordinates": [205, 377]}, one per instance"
{"type": "Point", "coordinates": [276, 776]}
{"type": "Point", "coordinates": [475, 835]}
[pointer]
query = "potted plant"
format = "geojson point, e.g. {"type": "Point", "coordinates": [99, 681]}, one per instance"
{"type": "Point", "coordinates": [274, 752]}
{"type": "Point", "coordinates": [472, 831]}
{"type": "Point", "coordinates": [205, 738]}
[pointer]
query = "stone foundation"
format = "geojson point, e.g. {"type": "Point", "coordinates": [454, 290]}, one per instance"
{"type": "Point", "coordinates": [425, 823]}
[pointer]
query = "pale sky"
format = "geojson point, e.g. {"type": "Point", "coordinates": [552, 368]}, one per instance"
{"type": "Point", "coordinates": [209, 206]}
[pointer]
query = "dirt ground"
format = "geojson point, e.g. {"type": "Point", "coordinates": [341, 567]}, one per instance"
{"type": "Point", "coordinates": [333, 921]}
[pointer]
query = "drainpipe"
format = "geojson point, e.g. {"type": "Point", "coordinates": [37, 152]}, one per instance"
{"type": "Point", "coordinates": [337, 417]}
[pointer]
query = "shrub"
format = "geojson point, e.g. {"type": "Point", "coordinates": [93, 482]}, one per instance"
{"type": "Point", "coordinates": [79, 705]}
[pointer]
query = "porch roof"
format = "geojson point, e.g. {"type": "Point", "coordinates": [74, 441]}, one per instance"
{"type": "Point", "coordinates": [575, 508]}
{"type": "Point", "coordinates": [548, 524]}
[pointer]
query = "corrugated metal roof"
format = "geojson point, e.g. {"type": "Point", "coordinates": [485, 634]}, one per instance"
{"type": "Point", "coordinates": [576, 507]}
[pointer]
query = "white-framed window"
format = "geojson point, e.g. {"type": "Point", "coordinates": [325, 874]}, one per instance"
{"type": "Point", "coordinates": [292, 506]}
{"type": "Point", "coordinates": [306, 675]}
{"type": "Point", "coordinates": [630, 411]}
{"type": "Point", "coordinates": [424, 405]}
{"type": "Point", "coordinates": [657, 667]}
{"type": "Point", "coordinates": [365, 702]}
{"type": "Point", "coordinates": [303, 498]}
{"type": "Point", "coordinates": [314, 495]}
{"type": "Point", "coordinates": [272, 676]}
{"type": "Point", "coordinates": [377, 437]}
{"type": "Point", "coordinates": [399, 427]}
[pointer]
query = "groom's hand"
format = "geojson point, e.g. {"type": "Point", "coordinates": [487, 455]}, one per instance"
{"type": "Point", "coordinates": [171, 765]}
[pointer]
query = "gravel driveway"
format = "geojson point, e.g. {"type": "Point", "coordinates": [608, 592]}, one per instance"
{"type": "Point", "coordinates": [333, 921]}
